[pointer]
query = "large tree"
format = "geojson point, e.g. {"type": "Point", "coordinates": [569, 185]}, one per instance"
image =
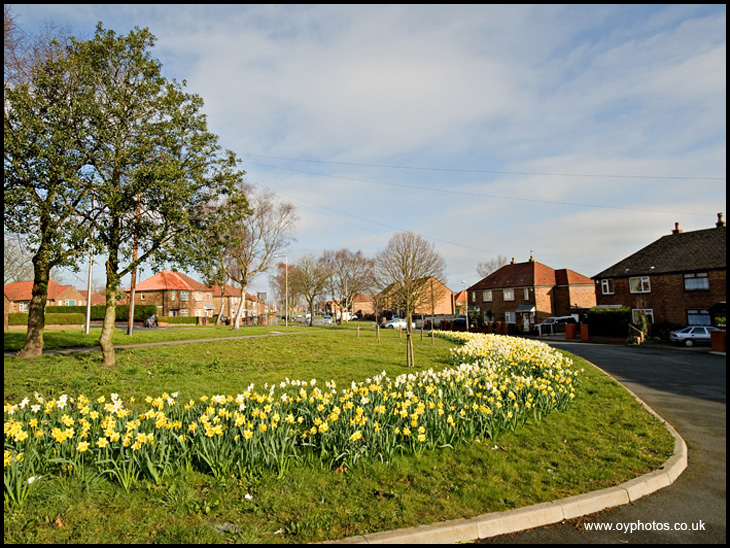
{"type": "Point", "coordinates": [256, 226]}
{"type": "Point", "coordinates": [156, 167]}
{"type": "Point", "coordinates": [47, 184]}
{"type": "Point", "coordinates": [405, 266]}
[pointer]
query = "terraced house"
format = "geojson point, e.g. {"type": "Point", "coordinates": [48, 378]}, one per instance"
{"type": "Point", "coordinates": [527, 293]}
{"type": "Point", "coordinates": [679, 279]}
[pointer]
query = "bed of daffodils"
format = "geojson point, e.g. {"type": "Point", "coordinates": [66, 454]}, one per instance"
{"type": "Point", "coordinates": [495, 384]}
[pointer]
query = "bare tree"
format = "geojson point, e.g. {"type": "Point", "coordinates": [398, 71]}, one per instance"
{"type": "Point", "coordinates": [485, 268]}
{"type": "Point", "coordinates": [352, 273]}
{"type": "Point", "coordinates": [405, 265]}
{"type": "Point", "coordinates": [256, 238]}
{"type": "Point", "coordinates": [310, 280]}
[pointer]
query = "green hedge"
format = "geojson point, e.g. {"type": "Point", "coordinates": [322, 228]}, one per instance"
{"type": "Point", "coordinates": [141, 311]}
{"type": "Point", "coordinates": [178, 319]}
{"type": "Point", "coordinates": [609, 322]}
{"type": "Point", "coordinates": [21, 318]}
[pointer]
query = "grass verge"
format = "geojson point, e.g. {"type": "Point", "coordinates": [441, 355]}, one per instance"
{"type": "Point", "coordinates": [604, 438]}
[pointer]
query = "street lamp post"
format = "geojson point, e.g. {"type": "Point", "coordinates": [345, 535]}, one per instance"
{"type": "Point", "coordinates": [466, 305]}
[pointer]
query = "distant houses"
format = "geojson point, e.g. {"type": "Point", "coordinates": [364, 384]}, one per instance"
{"type": "Point", "coordinates": [19, 294]}
{"type": "Point", "coordinates": [177, 294]}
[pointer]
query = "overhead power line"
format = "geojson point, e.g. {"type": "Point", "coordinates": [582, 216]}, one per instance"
{"type": "Point", "coordinates": [479, 194]}
{"type": "Point", "coordinates": [494, 172]}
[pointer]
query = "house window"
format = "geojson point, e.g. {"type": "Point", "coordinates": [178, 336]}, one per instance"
{"type": "Point", "coordinates": [508, 294]}
{"type": "Point", "coordinates": [173, 296]}
{"type": "Point", "coordinates": [141, 296]}
{"type": "Point", "coordinates": [648, 312]}
{"type": "Point", "coordinates": [198, 296]}
{"type": "Point", "coordinates": [70, 302]}
{"type": "Point", "coordinates": [640, 284]}
{"type": "Point", "coordinates": [473, 297]}
{"type": "Point", "coordinates": [527, 293]}
{"type": "Point", "coordinates": [487, 295]}
{"type": "Point", "coordinates": [606, 287]}
{"type": "Point", "coordinates": [183, 295]}
{"type": "Point", "coordinates": [198, 312]}
{"type": "Point", "coordinates": [23, 307]}
{"type": "Point", "coordinates": [696, 281]}
{"type": "Point", "coordinates": [510, 317]}
{"type": "Point", "coordinates": [698, 317]}
{"type": "Point", "coordinates": [184, 312]}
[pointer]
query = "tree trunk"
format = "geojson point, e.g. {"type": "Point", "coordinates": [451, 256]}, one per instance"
{"type": "Point", "coordinates": [33, 347]}
{"type": "Point", "coordinates": [110, 313]}
{"type": "Point", "coordinates": [236, 323]}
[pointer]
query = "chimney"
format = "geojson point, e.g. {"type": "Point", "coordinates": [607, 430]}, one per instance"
{"type": "Point", "coordinates": [720, 223]}
{"type": "Point", "coordinates": [676, 230]}
{"type": "Point", "coordinates": [513, 260]}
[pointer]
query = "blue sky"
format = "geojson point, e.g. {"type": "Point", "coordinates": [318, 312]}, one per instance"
{"type": "Point", "coordinates": [580, 133]}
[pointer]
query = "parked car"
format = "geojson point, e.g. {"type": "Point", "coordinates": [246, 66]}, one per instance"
{"type": "Point", "coordinates": [327, 319]}
{"type": "Point", "coordinates": [692, 335]}
{"type": "Point", "coordinates": [397, 323]}
{"type": "Point", "coordinates": [549, 325]}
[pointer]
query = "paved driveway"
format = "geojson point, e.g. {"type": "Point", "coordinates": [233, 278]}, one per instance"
{"type": "Point", "coordinates": [687, 388]}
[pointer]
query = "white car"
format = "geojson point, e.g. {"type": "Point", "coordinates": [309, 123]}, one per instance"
{"type": "Point", "coordinates": [397, 323]}
{"type": "Point", "coordinates": [692, 335]}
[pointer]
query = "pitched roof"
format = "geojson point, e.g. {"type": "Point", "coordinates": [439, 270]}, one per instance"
{"type": "Point", "coordinates": [676, 252]}
{"type": "Point", "coordinates": [23, 291]}
{"type": "Point", "coordinates": [168, 280]}
{"type": "Point", "coordinates": [231, 291]}
{"type": "Point", "coordinates": [528, 274]}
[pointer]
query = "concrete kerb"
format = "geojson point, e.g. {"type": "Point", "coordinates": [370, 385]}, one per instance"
{"type": "Point", "coordinates": [538, 515]}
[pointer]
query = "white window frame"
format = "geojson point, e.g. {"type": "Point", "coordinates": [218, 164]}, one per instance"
{"type": "Point", "coordinates": [648, 312]}
{"type": "Point", "coordinates": [141, 296]}
{"type": "Point", "coordinates": [508, 294]}
{"type": "Point", "coordinates": [487, 295]}
{"type": "Point", "coordinates": [639, 284]}
{"type": "Point", "coordinates": [173, 296]}
{"type": "Point", "coordinates": [184, 296]}
{"type": "Point", "coordinates": [510, 317]}
{"type": "Point", "coordinates": [527, 294]}
{"type": "Point", "coordinates": [23, 307]}
{"type": "Point", "coordinates": [68, 302]}
{"type": "Point", "coordinates": [696, 281]}
{"type": "Point", "coordinates": [198, 296]}
{"type": "Point", "coordinates": [607, 287]}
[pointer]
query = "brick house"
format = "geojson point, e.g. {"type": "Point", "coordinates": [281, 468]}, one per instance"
{"type": "Point", "coordinates": [19, 295]}
{"type": "Point", "coordinates": [434, 298]}
{"type": "Point", "coordinates": [527, 293]}
{"type": "Point", "coordinates": [231, 300]}
{"type": "Point", "coordinates": [175, 294]}
{"type": "Point", "coordinates": [680, 279]}
{"type": "Point", "coordinates": [362, 305]}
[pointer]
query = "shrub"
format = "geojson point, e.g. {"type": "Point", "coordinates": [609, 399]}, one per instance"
{"type": "Point", "coordinates": [609, 322]}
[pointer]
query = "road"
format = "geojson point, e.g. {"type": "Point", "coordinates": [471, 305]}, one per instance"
{"type": "Point", "coordinates": [687, 387]}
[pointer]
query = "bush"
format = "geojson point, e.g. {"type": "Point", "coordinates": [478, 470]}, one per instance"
{"type": "Point", "coordinates": [141, 311]}
{"type": "Point", "coordinates": [178, 319]}
{"type": "Point", "coordinates": [609, 322]}
{"type": "Point", "coordinates": [21, 318]}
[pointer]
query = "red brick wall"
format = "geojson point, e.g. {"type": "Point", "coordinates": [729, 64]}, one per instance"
{"type": "Point", "coordinates": [668, 298]}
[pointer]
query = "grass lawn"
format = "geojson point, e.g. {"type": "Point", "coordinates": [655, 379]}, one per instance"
{"type": "Point", "coordinates": [603, 439]}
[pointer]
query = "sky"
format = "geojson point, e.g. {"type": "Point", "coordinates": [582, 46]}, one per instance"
{"type": "Point", "coordinates": [576, 134]}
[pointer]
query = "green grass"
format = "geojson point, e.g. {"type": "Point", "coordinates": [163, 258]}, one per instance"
{"type": "Point", "coordinates": [604, 438]}
{"type": "Point", "coordinates": [76, 338]}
